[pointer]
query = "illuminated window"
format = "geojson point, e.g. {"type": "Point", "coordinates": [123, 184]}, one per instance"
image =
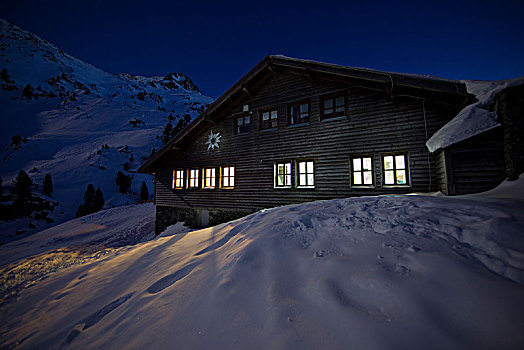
{"type": "Point", "coordinates": [299, 113]}
{"type": "Point", "coordinates": [209, 178]}
{"type": "Point", "coordinates": [333, 107]}
{"type": "Point", "coordinates": [178, 179]}
{"type": "Point", "coordinates": [361, 171]}
{"type": "Point", "coordinates": [193, 178]}
{"type": "Point", "coordinates": [268, 119]}
{"type": "Point", "coordinates": [242, 124]}
{"type": "Point", "coordinates": [228, 177]}
{"type": "Point", "coordinates": [395, 170]}
{"type": "Point", "coordinates": [283, 175]}
{"type": "Point", "coordinates": [305, 174]}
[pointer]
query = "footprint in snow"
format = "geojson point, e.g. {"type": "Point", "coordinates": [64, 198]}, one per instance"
{"type": "Point", "coordinates": [413, 249]}
{"type": "Point", "coordinates": [171, 279]}
{"type": "Point", "coordinates": [224, 239]}
{"type": "Point", "coordinates": [93, 319]}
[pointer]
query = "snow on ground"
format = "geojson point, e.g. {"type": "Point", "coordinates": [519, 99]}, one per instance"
{"type": "Point", "coordinates": [475, 118]}
{"type": "Point", "coordinates": [25, 262]}
{"type": "Point", "coordinates": [113, 227]}
{"type": "Point", "coordinates": [373, 272]}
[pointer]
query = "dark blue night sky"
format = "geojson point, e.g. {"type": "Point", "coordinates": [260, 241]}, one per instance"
{"type": "Point", "coordinates": [215, 42]}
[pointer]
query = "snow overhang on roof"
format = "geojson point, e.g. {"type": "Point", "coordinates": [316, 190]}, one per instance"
{"type": "Point", "coordinates": [471, 121]}
{"type": "Point", "coordinates": [272, 65]}
{"type": "Point", "coordinates": [475, 118]}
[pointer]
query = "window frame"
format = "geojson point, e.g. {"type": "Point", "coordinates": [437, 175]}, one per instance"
{"type": "Point", "coordinates": [236, 125]}
{"type": "Point", "coordinates": [352, 171]}
{"type": "Point", "coordinates": [299, 104]}
{"type": "Point", "coordinates": [222, 177]}
{"type": "Point", "coordinates": [176, 178]}
{"type": "Point", "coordinates": [288, 176]}
{"type": "Point", "coordinates": [334, 97]}
{"type": "Point", "coordinates": [297, 174]}
{"type": "Point", "coordinates": [261, 122]}
{"type": "Point", "coordinates": [189, 178]}
{"type": "Point", "coordinates": [395, 169]}
{"type": "Point", "coordinates": [204, 178]}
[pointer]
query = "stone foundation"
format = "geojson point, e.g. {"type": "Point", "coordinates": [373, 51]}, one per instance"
{"type": "Point", "coordinates": [194, 218]}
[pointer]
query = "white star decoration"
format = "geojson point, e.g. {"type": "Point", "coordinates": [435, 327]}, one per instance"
{"type": "Point", "coordinates": [213, 140]}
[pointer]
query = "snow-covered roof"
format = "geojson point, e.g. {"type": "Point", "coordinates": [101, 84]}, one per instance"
{"type": "Point", "coordinates": [475, 118]}
{"type": "Point", "coordinates": [365, 69]}
{"type": "Point", "coordinates": [416, 84]}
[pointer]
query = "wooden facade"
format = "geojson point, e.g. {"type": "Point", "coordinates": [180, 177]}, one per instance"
{"type": "Point", "coordinates": [354, 117]}
{"type": "Point", "coordinates": [473, 165]}
{"type": "Point", "coordinates": [483, 161]}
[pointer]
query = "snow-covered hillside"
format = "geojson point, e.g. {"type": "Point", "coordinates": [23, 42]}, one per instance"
{"type": "Point", "coordinates": [79, 123]}
{"type": "Point", "coordinates": [386, 272]}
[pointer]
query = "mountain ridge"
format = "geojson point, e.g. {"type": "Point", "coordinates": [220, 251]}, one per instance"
{"type": "Point", "coordinates": [63, 116]}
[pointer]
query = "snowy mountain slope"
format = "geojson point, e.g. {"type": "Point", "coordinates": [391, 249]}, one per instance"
{"type": "Point", "coordinates": [384, 272]}
{"type": "Point", "coordinates": [80, 124]}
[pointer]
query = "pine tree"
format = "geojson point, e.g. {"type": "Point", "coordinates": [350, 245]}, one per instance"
{"type": "Point", "coordinates": [47, 186]}
{"type": "Point", "coordinates": [144, 192]}
{"type": "Point", "coordinates": [99, 199]}
{"type": "Point", "coordinates": [89, 196]}
{"type": "Point", "coordinates": [22, 185]}
{"type": "Point", "coordinates": [4, 75]}
{"type": "Point", "coordinates": [28, 91]}
{"type": "Point", "coordinates": [88, 206]}
{"type": "Point", "coordinates": [123, 182]}
{"type": "Point", "coordinates": [167, 133]}
{"type": "Point", "coordinates": [22, 191]}
{"type": "Point", "coordinates": [15, 140]}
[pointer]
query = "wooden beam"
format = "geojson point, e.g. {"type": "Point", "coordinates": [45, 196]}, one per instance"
{"type": "Point", "coordinates": [311, 76]}
{"type": "Point", "coordinates": [246, 90]}
{"type": "Point", "coordinates": [272, 69]}
{"type": "Point", "coordinates": [209, 121]}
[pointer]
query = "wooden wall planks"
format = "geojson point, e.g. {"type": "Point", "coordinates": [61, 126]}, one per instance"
{"type": "Point", "coordinates": [375, 124]}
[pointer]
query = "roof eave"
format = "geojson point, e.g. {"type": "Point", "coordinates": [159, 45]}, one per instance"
{"type": "Point", "coordinates": [438, 85]}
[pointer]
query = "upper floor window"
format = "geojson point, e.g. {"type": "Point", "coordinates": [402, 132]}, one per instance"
{"type": "Point", "coordinates": [178, 179]}
{"type": "Point", "coordinates": [242, 124]}
{"type": "Point", "coordinates": [268, 119]}
{"type": "Point", "coordinates": [299, 113]}
{"type": "Point", "coordinates": [228, 177]}
{"type": "Point", "coordinates": [333, 107]}
{"type": "Point", "coordinates": [193, 178]}
{"type": "Point", "coordinates": [305, 174]}
{"type": "Point", "coordinates": [395, 169]}
{"type": "Point", "coordinates": [361, 171]}
{"type": "Point", "coordinates": [209, 178]}
{"type": "Point", "coordinates": [283, 175]}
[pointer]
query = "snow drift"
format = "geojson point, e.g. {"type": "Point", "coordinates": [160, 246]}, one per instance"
{"type": "Point", "coordinates": [372, 272]}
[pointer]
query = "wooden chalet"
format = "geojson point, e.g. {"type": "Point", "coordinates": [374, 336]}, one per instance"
{"type": "Point", "coordinates": [294, 130]}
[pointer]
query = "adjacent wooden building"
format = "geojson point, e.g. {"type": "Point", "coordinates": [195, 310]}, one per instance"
{"type": "Point", "coordinates": [295, 130]}
{"type": "Point", "coordinates": [482, 161]}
